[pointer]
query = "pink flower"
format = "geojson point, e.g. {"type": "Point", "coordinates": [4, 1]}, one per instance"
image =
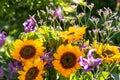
{"type": "Point", "coordinates": [57, 13]}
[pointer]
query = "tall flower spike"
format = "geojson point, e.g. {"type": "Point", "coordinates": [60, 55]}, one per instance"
{"type": "Point", "coordinates": [29, 24]}
{"type": "Point", "coordinates": [57, 13]}
{"type": "Point", "coordinates": [14, 66]}
{"type": "Point", "coordinates": [2, 39]}
{"type": "Point", "coordinates": [90, 62]}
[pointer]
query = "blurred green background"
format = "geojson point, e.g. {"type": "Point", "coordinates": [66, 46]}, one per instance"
{"type": "Point", "coordinates": [14, 12]}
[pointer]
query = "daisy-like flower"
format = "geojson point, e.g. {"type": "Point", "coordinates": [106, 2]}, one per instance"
{"type": "Point", "coordinates": [27, 50]}
{"type": "Point", "coordinates": [2, 39]}
{"type": "Point", "coordinates": [66, 59]}
{"type": "Point", "coordinates": [57, 13]}
{"type": "Point", "coordinates": [73, 34]}
{"type": "Point", "coordinates": [90, 62]}
{"type": "Point", "coordinates": [29, 24]}
{"type": "Point", "coordinates": [32, 70]}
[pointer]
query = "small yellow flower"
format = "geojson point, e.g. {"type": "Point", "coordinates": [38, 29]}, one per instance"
{"type": "Point", "coordinates": [73, 33]}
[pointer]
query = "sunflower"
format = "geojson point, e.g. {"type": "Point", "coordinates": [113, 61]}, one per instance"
{"type": "Point", "coordinates": [66, 59]}
{"type": "Point", "coordinates": [107, 52]}
{"type": "Point", "coordinates": [32, 70]}
{"type": "Point", "coordinates": [73, 33]}
{"type": "Point", "coordinates": [27, 50]}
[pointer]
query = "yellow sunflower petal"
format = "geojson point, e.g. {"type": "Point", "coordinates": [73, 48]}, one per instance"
{"type": "Point", "coordinates": [67, 62]}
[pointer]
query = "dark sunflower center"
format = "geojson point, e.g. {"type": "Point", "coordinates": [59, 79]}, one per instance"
{"type": "Point", "coordinates": [68, 60]}
{"type": "Point", "coordinates": [108, 53]}
{"type": "Point", "coordinates": [27, 52]}
{"type": "Point", "coordinates": [32, 73]}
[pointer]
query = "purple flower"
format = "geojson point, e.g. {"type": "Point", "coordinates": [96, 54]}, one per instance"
{"type": "Point", "coordinates": [29, 24]}
{"type": "Point", "coordinates": [14, 66]}
{"type": "Point", "coordinates": [1, 72]}
{"type": "Point", "coordinates": [48, 59]}
{"type": "Point", "coordinates": [83, 46]}
{"type": "Point", "coordinates": [89, 63]}
{"type": "Point", "coordinates": [57, 13]}
{"type": "Point", "coordinates": [2, 39]}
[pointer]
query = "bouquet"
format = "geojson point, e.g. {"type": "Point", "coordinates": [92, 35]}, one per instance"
{"type": "Point", "coordinates": [65, 45]}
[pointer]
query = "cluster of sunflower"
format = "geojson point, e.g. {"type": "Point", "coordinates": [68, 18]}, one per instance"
{"type": "Point", "coordinates": [46, 53]}
{"type": "Point", "coordinates": [64, 51]}
{"type": "Point", "coordinates": [32, 52]}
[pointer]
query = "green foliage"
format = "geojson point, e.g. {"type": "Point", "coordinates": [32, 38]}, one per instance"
{"type": "Point", "coordinates": [14, 12]}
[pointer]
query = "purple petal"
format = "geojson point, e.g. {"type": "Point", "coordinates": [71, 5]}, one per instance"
{"type": "Point", "coordinates": [84, 46]}
{"type": "Point", "coordinates": [97, 61]}
{"type": "Point", "coordinates": [88, 68]}
{"type": "Point", "coordinates": [2, 39]}
{"type": "Point", "coordinates": [14, 66]}
{"type": "Point", "coordinates": [60, 17]}
{"type": "Point", "coordinates": [89, 56]}
{"type": "Point", "coordinates": [57, 13]}
{"type": "Point", "coordinates": [89, 63]}
{"type": "Point", "coordinates": [49, 63]}
{"type": "Point", "coordinates": [83, 61]}
{"type": "Point", "coordinates": [47, 58]}
{"type": "Point", "coordinates": [50, 52]}
{"type": "Point", "coordinates": [29, 24]}
{"type": "Point", "coordinates": [32, 18]}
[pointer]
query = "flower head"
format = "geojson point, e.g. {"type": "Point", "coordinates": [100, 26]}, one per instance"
{"type": "Point", "coordinates": [32, 70]}
{"type": "Point", "coordinates": [2, 39]}
{"type": "Point", "coordinates": [66, 59]}
{"type": "Point", "coordinates": [74, 33]}
{"type": "Point", "coordinates": [106, 52]}
{"type": "Point", "coordinates": [1, 72]}
{"type": "Point", "coordinates": [47, 58]}
{"type": "Point", "coordinates": [14, 66]}
{"type": "Point", "coordinates": [29, 24]}
{"type": "Point", "coordinates": [27, 50]}
{"type": "Point", "coordinates": [57, 13]}
{"type": "Point", "coordinates": [89, 63]}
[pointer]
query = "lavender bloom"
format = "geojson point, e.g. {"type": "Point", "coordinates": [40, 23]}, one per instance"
{"type": "Point", "coordinates": [90, 6]}
{"type": "Point", "coordinates": [14, 66]}
{"type": "Point", "coordinates": [57, 13]}
{"type": "Point", "coordinates": [1, 72]}
{"type": "Point", "coordinates": [48, 59]}
{"type": "Point", "coordinates": [2, 39]}
{"type": "Point", "coordinates": [29, 24]}
{"type": "Point", "coordinates": [89, 63]}
{"type": "Point", "coordinates": [94, 20]}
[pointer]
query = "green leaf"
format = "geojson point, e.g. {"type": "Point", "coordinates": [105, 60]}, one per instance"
{"type": "Point", "coordinates": [115, 76]}
{"type": "Point", "coordinates": [103, 75]}
{"type": "Point", "coordinates": [72, 76]}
